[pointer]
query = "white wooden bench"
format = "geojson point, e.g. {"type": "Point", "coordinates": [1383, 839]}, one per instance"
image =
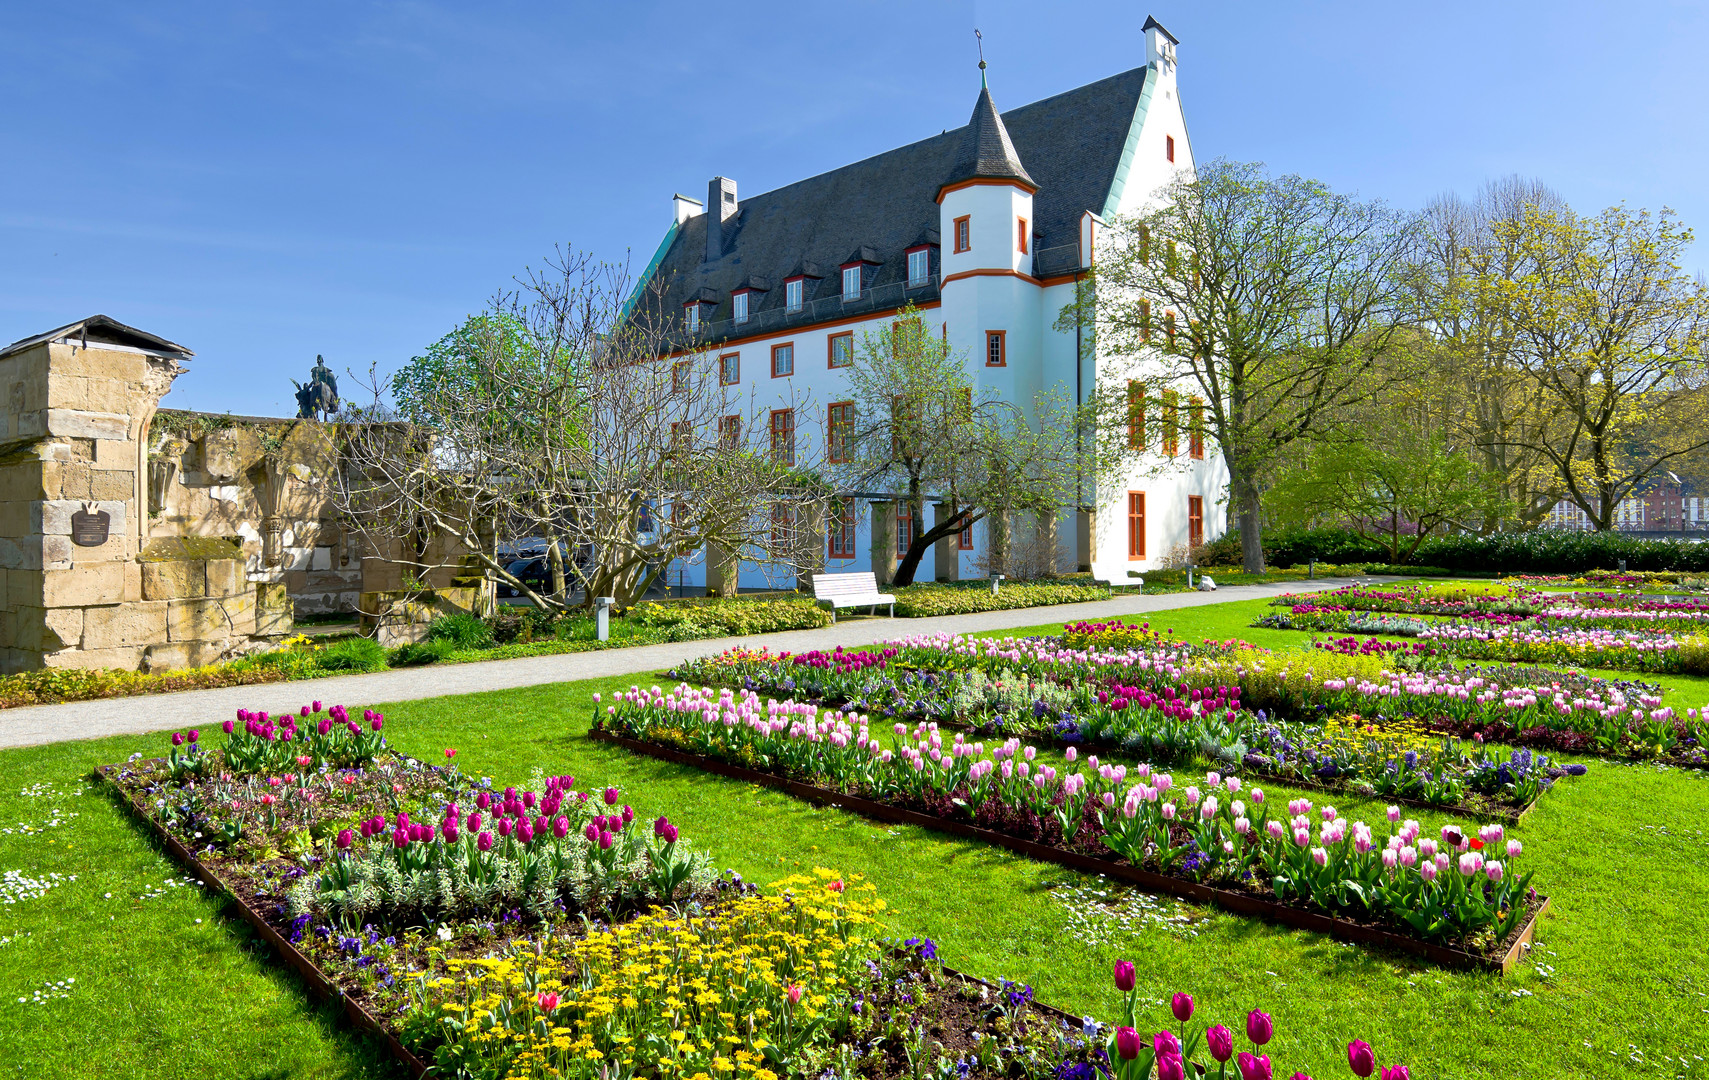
{"type": "Point", "coordinates": [851, 590]}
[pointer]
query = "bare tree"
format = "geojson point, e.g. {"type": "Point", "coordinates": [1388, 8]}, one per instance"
{"type": "Point", "coordinates": [920, 429]}
{"type": "Point", "coordinates": [561, 417]}
{"type": "Point", "coordinates": [1271, 298]}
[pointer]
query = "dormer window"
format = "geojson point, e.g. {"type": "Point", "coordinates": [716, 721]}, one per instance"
{"type": "Point", "coordinates": [919, 266]}
{"type": "Point", "coordinates": [851, 282]}
{"type": "Point", "coordinates": [739, 307]}
{"type": "Point", "coordinates": [691, 317]}
{"type": "Point", "coordinates": [792, 292]}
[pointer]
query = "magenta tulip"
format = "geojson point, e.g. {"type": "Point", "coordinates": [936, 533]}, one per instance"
{"type": "Point", "coordinates": [1127, 1043]}
{"type": "Point", "coordinates": [177, 738]}
{"type": "Point", "coordinates": [345, 839]}
{"type": "Point", "coordinates": [484, 842]}
{"type": "Point", "coordinates": [1253, 1066]}
{"type": "Point", "coordinates": [1124, 975]}
{"type": "Point", "coordinates": [1259, 1028]}
{"type": "Point", "coordinates": [1397, 1072]}
{"type": "Point", "coordinates": [1182, 1006]}
{"type": "Point", "coordinates": [1165, 1044]}
{"type": "Point", "coordinates": [1171, 1067]}
{"type": "Point", "coordinates": [1220, 1042]}
{"type": "Point", "coordinates": [560, 826]}
{"type": "Point", "coordinates": [611, 796]}
{"type": "Point", "coordinates": [1360, 1058]}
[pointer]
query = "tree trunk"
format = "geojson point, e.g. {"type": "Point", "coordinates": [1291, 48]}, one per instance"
{"type": "Point", "coordinates": [1244, 489]}
{"type": "Point", "coordinates": [910, 564]}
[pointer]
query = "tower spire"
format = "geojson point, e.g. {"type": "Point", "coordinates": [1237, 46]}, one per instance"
{"type": "Point", "coordinates": [979, 40]}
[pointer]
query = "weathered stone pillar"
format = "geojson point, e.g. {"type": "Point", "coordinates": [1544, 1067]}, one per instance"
{"type": "Point", "coordinates": [947, 550]}
{"type": "Point", "coordinates": [884, 542]}
{"type": "Point", "coordinates": [1085, 540]}
{"type": "Point", "coordinates": [75, 409]}
{"type": "Point", "coordinates": [722, 569]}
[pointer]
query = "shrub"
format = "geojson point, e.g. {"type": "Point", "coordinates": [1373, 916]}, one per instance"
{"type": "Point", "coordinates": [352, 654]}
{"type": "Point", "coordinates": [421, 652]}
{"type": "Point", "coordinates": [920, 601]}
{"type": "Point", "coordinates": [463, 630]}
{"type": "Point", "coordinates": [717, 616]}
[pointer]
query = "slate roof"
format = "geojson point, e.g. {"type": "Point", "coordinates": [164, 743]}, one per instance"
{"type": "Point", "coordinates": [986, 151]}
{"type": "Point", "coordinates": [1069, 146]}
{"type": "Point", "coordinates": [104, 329]}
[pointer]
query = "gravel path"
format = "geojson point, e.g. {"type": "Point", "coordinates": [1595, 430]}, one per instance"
{"type": "Point", "coordinates": [38, 724]}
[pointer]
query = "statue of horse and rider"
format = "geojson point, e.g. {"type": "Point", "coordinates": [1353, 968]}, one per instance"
{"type": "Point", "coordinates": [318, 398]}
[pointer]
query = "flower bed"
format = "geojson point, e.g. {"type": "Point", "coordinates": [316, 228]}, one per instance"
{"type": "Point", "coordinates": [788, 982]}
{"type": "Point", "coordinates": [1400, 889]}
{"type": "Point", "coordinates": [1157, 709]}
{"type": "Point", "coordinates": [372, 867]}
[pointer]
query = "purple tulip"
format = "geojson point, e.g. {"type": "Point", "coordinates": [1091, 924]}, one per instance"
{"type": "Point", "coordinates": [560, 826]}
{"type": "Point", "coordinates": [324, 726]}
{"type": "Point", "coordinates": [449, 831]}
{"type": "Point", "coordinates": [670, 833]}
{"type": "Point", "coordinates": [528, 799]}
{"type": "Point", "coordinates": [177, 738]}
{"type": "Point", "coordinates": [611, 796]}
{"type": "Point", "coordinates": [315, 707]}
{"type": "Point", "coordinates": [1124, 976]}
{"type": "Point", "coordinates": [345, 839]}
{"type": "Point", "coordinates": [628, 815]}
{"type": "Point", "coordinates": [194, 735]}
{"type": "Point", "coordinates": [484, 801]}
{"type": "Point", "coordinates": [305, 710]}
{"type": "Point", "coordinates": [1182, 1006]}
{"type": "Point", "coordinates": [1220, 1042]}
{"type": "Point", "coordinates": [604, 841]}
{"type": "Point", "coordinates": [659, 826]}
{"type": "Point", "coordinates": [1254, 1067]}
{"type": "Point", "coordinates": [591, 832]}
{"type": "Point", "coordinates": [1127, 1043]}
{"type": "Point", "coordinates": [474, 821]}
{"type": "Point", "coordinates": [377, 722]}
{"type": "Point", "coordinates": [400, 838]}
{"type": "Point", "coordinates": [504, 826]}
{"type": "Point", "coordinates": [228, 726]}
{"type": "Point", "coordinates": [1165, 1044]}
{"type": "Point", "coordinates": [1171, 1067]}
{"type": "Point", "coordinates": [1361, 1058]}
{"type": "Point", "coordinates": [525, 833]}
{"type": "Point", "coordinates": [484, 841]}
{"type": "Point", "coordinates": [1259, 1029]}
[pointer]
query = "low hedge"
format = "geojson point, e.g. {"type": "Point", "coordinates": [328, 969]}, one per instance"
{"type": "Point", "coordinates": [921, 601]}
{"type": "Point", "coordinates": [736, 616]}
{"type": "Point", "coordinates": [1541, 551]}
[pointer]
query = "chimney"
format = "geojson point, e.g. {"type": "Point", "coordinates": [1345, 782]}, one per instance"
{"type": "Point", "coordinates": [1159, 46]}
{"type": "Point", "coordinates": [720, 207]}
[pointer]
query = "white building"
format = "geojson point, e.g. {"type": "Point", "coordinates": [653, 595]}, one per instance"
{"type": "Point", "coordinates": [986, 229]}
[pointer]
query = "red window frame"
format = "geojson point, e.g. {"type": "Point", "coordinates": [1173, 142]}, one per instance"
{"type": "Point", "coordinates": [730, 431]}
{"type": "Point", "coordinates": [1135, 525]}
{"type": "Point", "coordinates": [1169, 147]}
{"type": "Point", "coordinates": [1196, 428]}
{"type": "Point", "coordinates": [842, 539]}
{"type": "Point", "coordinates": [1195, 520]}
{"type": "Point", "coordinates": [904, 528]}
{"type": "Point", "coordinates": [775, 350]}
{"type": "Point", "coordinates": [783, 434]}
{"type": "Point", "coordinates": [680, 372]}
{"type": "Point", "coordinates": [963, 233]}
{"type": "Point", "coordinates": [1171, 423]}
{"type": "Point", "coordinates": [996, 344]}
{"type": "Point", "coordinates": [1145, 320]}
{"type": "Point", "coordinates": [729, 374]}
{"type": "Point", "coordinates": [1021, 235]}
{"type": "Point", "coordinates": [964, 538]}
{"type": "Point", "coordinates": [839, 428]}
{"type": "Point", "coordinates": [1135, 415]}
{"type": "Point", "coordinates": [831, 350]}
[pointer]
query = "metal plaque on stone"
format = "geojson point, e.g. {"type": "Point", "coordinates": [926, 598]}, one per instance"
{"type": "Point", "coordinates": [89, 527]}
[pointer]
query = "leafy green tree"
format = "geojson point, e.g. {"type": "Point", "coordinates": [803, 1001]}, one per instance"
{"type": "Point", "coordinates": [1272, 298]}
{"type": "Point", "coordinates": [1397, 489]}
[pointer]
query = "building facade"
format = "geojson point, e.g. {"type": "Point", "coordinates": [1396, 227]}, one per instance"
{"type": "Point", "coordinates": [987, 231]}
{"type": "Point", "coordinates": [1662, 508]}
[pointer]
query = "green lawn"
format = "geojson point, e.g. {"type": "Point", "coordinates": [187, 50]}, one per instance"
{"type": "Point", "coordinates": [1618, 984]}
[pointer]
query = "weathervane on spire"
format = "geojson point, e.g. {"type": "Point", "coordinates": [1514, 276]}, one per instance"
{"type": "Point", "coordinates": [979, 39]}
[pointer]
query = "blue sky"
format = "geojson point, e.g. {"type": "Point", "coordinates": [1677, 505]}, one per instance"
{"type": "Point", "coordinates": [267, 182]}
